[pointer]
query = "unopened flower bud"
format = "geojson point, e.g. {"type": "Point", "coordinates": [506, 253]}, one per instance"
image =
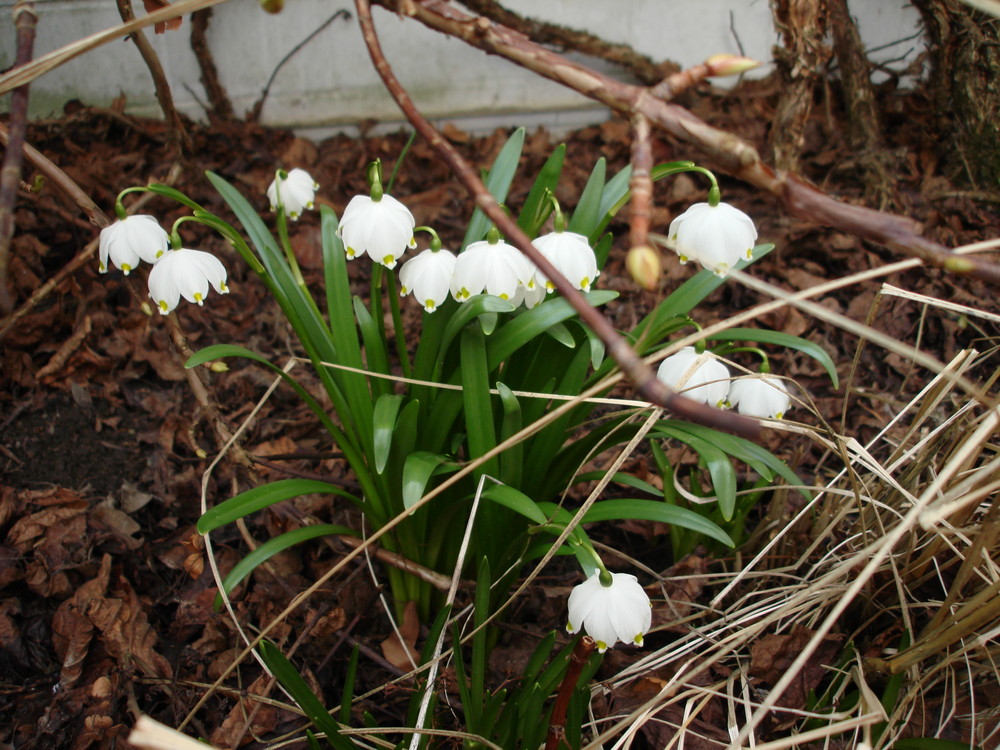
{"type": "Point", "coordinates": [730, 65]}
{"type": "Point", "coordinates": [644, 265]}
{"type": "Point", "coordinates": [218, 366]}
{"type": "Point", "coordinates": [272, 6]}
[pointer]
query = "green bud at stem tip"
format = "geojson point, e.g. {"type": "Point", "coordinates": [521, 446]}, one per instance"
{"type": "Point", "coordinates": [957, 264]}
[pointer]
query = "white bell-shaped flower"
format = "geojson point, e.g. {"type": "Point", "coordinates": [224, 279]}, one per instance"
{"type": "Point", "coordinates": [428, 277]}
{"type": "Point", "coordinates": [762, 396]}
{"type": "Point", "coordinates": [718, 237]}
{"type": "Point", "coordinates": [382, 229]}
{"type": "Point", "coordinates": [298, 189]}
{"type": "Point", "coordinates": [530, 298]}
{"type": "Point", "coordinates": [185, 273]}
{"type": "Point", "coordinates": [609, 614]}
{"type": "Point", "coordinates": [572, 255]}
{"type": "Point", "coordinates": [498, 269]}
{"type": "Point", "coordinates": [131, 240]}
{"type": "Point", "coordinates": [698, 376]}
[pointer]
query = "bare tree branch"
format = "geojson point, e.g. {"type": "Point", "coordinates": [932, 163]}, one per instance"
{"type": "Point", "coordinates": [637, 371]}
{"type": "Point", "coordinates": [734, 155]}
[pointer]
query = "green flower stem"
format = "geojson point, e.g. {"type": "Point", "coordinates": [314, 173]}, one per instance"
{"type": "Point", "coordinates": [400, 160]}
{"type": "Point", "coordinates": [714, 194]}
{"type": "Point", "coordinates": [558, 221]}
{"type": "Point", "coordinates": [765, 363]}
{"type": "Point", "coordinates": [378, 271]}
{"type": "Point", "coordinates": [286, 244]}
{"type": "Point", "coordinates": [397, 324]}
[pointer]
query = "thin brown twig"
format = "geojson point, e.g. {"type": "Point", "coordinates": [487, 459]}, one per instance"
{"type": "Point", "coordinates": [556, 735]}
{"type": "Point", "coordinates": [734, 155]}
{"type": "Point", "coordinates": [176, 135]}
{"type": "Point", "coordinates": [25, 20]}
{"type": "Point", "coordinates": [641, 183]}
{"type": "Point", "coordinates": [638, 372]}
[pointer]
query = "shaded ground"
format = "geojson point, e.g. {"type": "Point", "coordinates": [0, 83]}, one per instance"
{"type": "Point", "coordinates": [106, 604]}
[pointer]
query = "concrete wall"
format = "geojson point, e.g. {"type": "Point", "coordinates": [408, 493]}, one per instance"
{"type": "Point", "coordinates": [330, 83]}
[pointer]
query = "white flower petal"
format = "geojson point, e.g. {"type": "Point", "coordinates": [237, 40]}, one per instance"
{"type": "Point", "coordinates": [381, 229]}
{"type": "Point", "coordinates": [572, 255]}
{"type": "Point", "coordinates": [760, 397]}
{"type": "Point", "coordinates": [609, 614]}
{"type": "Point", "coordinates": [498, 269]}
{"type": "Point", "coordinates": [131, 240]}
{"type": "Point", "coordinates": [718, 237]}
{"type": "Point", "coordinates": [185, 273]}
{"type": "Point", "coordinates": [698, 376]}
{"type": "Point", "coordinates": [428, 277]}
{"type": "Point", "coordinates": [298, 192]}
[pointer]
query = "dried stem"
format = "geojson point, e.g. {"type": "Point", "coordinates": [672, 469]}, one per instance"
{"type": "Point", "coordinates": [641, 184]}
{"type": "Point", "coordinates": [733, 155]}
{"type": "Point", "coordinates": [638, 372]}
{"type": "Point", "coordinates": [220, 108]}
{"type": "Point", "coordinates": [641, 66]}
{"type": "Point", "coordinates": [176, 135]}
{"type": "Point", "coordinates": [557, 724]}
{"type": "Point", "coordinates": [25, 20]}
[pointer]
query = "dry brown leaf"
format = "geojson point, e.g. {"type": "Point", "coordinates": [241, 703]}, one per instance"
{"type": "Point", "coordinates": [772, 655]}
{"type": "Point", "coordinates": [163, 26]}
{"type": "Point", "coordinates": [403, 653]}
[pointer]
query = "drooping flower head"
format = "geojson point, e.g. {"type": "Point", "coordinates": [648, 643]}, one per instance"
{"type": "Point", "coordinates": [572, 256]}
{"type": "Point", "coordinates": [428, 275]}
{"type": "Point", "coordinates": [377, 224]}
{"type": "Point", "coordinates": [130, 240]}
{"type": "Point", "coordinates": [760, 396]}
{"type": "Point", "coordinates": [717, 236]}
{"type": "Point", "coordinates": [297, 191]}
{"type": "Point", "coordinates": [618, 611]}
{"type": "Point", "coordinates": [698, 376]}
{"type": "Point", "coordinates": [185, 273]}
{"type": "Point", "coordinates": [493, 266]}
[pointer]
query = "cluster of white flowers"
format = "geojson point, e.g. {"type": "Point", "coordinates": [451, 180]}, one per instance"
{"type": "Point", "coordinates": [176, 273]}
{"type": "Point", "coordinates": [383, 230]}
{"type": "Point", "coordinates": [704, 378]}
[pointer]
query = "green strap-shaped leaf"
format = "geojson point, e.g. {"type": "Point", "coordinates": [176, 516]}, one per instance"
{"type": "Point", "coordinates": [588, 213]}
{"type": "Point", "coordinates": [384, 422]}
{"type": "Point", "coordinates": [512, 459]}
{"type": "Point", "coordinates": [652, 510]}
{"type": "Point", "coordinates": [622, 478]}
{"type": "Point", "coordinates": [480, 430]}
{"type": "Point", "coordinates": [533, 211]}
{"type": "Point", "coordinates": [466, 312]}
{"type": "Point", "coordinates": [498, 183]}
{"type": "Point", "coordinates": [418, 469]}
{"type": "Point", "coordinates": [764, 336]}
{"type": "Point", "coordinates": [271, 547]}
{"type": "Point", "coordinates": [720, 468]}
{"type": "Point", "coordinates": [518, 332]}
{"type": "Point", "coordinates": [261, 497]}
{"type": "Point", "coordinates": [296, 686]}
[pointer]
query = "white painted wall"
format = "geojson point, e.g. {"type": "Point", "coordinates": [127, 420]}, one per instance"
{"type": "Point", "coordinates": [330, 82]}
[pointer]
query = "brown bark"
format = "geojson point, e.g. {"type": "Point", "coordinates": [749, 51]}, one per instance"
{"type": "Point", "coordinates": [220, 109]}
{"type": "Point", "coordinates": [964, 86]}
{"type": "Point", "coordinates": [800, 60]}
{"type": "Point", "coordinates": [864, 130]}
{"type": "Point", "coordinates": [642, 67]}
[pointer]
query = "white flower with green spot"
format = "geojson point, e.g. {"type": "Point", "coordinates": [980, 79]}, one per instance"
{"type": "Point", "coordinates": [763, 396]}
{"type": "Point", "coordinates": [185, 273]}
{"type": "Point", "coordinates": [492, 267]}
{"type": "Point", "coordinates": [131, 240]}
{"type": "Point", "coordinates": [698, 376]}
{"type": "Point", "coordinates": [717, 236]}
{"type": "Point", "coordinates": [427, 277]}
{"type": "Point", "coordinates": [620, 611]}
{"type": "Point", "coordinates": [382, 229]}
{"type": "Point", "coordinates": [572, 256]}
{"type": "Point", "coordinates": [298, 191]}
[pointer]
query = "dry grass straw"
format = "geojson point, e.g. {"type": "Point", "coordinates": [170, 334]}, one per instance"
{"type": "Point", "coordinates": [902, 538]}
{"type": "Point", "coordinates": [904, 532]}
